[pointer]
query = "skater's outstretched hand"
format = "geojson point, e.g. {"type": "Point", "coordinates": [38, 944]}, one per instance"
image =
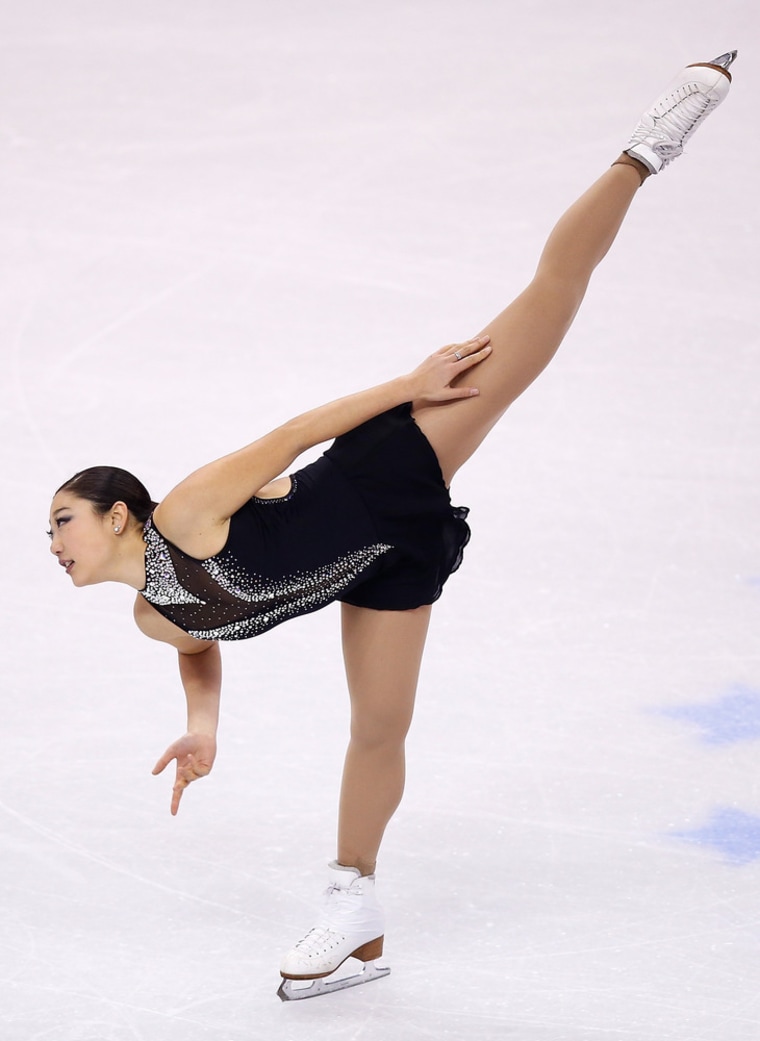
{"type": "Point", "coordinates": [195, 754]}
{"type": "Point", "coordinates": [431, 381]}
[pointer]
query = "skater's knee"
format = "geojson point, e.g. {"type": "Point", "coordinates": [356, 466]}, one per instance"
{"type": "Point", "coordinates": [380, 730]}
{"type": "Point", "coordinates": [559, 284]}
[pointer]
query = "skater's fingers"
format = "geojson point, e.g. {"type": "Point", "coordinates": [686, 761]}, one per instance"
{"type": "Point", "coordinates": [162, 763]}
{"type": "Point", "coordinates": [177, 791]}
{"type": "Point", "coordinates": [466, 361]}
{"type": "Point", "coordinates": [182, 780]}
{"type": "Point", "coordinates": [466, 348]}
{"type": "Point", "coordinates": [188, 770]}
{"type": "Point", "coordinates": [455, 393]}
{"type": "Point", "coordinates": [476, 344]}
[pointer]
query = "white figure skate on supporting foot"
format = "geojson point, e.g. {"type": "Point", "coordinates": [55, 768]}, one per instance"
{"type": "Point", "coordinates": [672, 118]}
{"type": "Point", "coordinates": [351, 925]}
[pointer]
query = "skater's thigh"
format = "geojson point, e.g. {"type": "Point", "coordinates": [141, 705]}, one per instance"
{"type": "Point", "coordinates": [382, 651]}
{"type": "Point", "coordinates": [524, 338]}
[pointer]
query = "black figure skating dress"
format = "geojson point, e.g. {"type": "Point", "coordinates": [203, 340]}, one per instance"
{"type": "Point", "coordinates": [370, 523]}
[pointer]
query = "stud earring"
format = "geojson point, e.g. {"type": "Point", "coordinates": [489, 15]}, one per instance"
{"type": "Point", "coordinates": [116, 531]}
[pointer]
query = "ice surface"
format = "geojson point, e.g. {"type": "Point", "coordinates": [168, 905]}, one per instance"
{"type": "Point", "coordinates": [215, 214]}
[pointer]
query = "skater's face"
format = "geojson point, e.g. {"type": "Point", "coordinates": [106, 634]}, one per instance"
{"type": "Point", "coordinates": [81, 539]}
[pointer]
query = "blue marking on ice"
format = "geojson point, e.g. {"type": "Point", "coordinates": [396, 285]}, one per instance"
{"type": "Point", "coordinates": [733, 833]}
{"type": "Point", "coordinates": [733, 717]}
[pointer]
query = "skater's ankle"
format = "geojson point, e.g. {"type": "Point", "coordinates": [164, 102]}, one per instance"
{"type": "Point", "coordinates": [364, 867]}
{"type": "Point", "coordinates": [628, 160]}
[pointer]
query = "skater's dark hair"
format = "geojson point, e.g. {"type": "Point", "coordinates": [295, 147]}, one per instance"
{"type": "Point", "coordinates": [102, 486]}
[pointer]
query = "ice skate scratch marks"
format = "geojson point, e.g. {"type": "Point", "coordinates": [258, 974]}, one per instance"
{"type": "Point", "coordinates": [18, 382]}
{"type": "Point", "coordinates": [126, 317]}
{"type": "Point", "coordinates": [87, 854]}
{"type": "Point", "coordinates": [86, 1027]}
{"type": "Point", "coordinates": [54, 374]}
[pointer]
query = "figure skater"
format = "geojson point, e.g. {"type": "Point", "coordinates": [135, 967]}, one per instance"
{"type": "Point", "coordinates": [236, 549]}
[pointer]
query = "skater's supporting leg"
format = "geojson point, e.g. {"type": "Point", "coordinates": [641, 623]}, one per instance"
{"type": "Point", "coordinates": [382, 652]}
{"type": "Point", "coordinates": [526, 335]}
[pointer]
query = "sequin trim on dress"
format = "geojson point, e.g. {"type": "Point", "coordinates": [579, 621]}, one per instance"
{"type": "Point", "coordinates": [162, 587]}
{"type": "Point", "coordinates": [278, 499]}
{"type": "Point", "coordinates": [230, 590]}
{"type": "Point", "coordinates": [276, 600]}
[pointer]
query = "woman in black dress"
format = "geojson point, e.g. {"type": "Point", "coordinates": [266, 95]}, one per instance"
{"type": "Point", "coordinates": [236, 548]}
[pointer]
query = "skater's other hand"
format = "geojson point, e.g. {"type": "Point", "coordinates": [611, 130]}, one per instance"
{"type": "Point", "coordinates": [431, 381]}
{"type": "Point", "coordinates": [195, 754]}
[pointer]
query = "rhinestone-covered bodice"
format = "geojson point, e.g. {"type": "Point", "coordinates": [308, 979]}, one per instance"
{"type": "Point", "coordinates": [284, 557]}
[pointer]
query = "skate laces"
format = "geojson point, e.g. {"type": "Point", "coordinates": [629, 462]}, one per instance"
{"type": "Point", "coordinates": [673, 127]}
{"type": "Point", "coordinates": [318, 940]}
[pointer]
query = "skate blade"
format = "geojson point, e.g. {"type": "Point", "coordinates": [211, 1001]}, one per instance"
{"type": "Point", "coordinates": [296, 990]}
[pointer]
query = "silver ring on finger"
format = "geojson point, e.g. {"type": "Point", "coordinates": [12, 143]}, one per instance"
{"type": "Point", "coordinates": [457, 355]}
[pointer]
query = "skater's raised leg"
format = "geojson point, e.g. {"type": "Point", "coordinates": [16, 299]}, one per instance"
{"type": "Point", "coordinates": [526, 335]}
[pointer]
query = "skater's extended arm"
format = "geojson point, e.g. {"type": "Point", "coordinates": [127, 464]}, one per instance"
{"type": "Point", "coordinates": [195, 751]}
{"type": "Point", "coordinates": [202, 504]}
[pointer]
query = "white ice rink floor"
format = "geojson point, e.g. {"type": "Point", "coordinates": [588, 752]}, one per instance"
{"type": "Point", "coordinates": [216, 213]}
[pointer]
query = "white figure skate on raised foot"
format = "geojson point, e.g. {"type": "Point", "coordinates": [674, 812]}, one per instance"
{"type": "Point", "coordinates": [351, 925]}
{"type": "Point", "coordinates": [673, 117]}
